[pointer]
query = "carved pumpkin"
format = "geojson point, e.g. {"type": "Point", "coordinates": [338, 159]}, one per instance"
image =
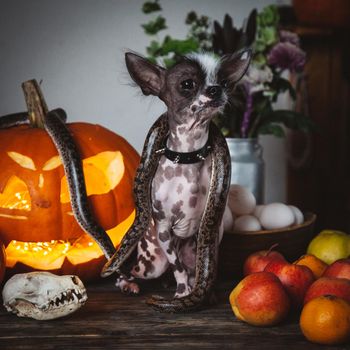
{"type": "Point", "coordinates": [36, 220]}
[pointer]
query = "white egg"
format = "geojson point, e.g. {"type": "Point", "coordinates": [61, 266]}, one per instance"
{"type": "Point", "coordinates": [240, 200]}
{"type": "Point", "coordinates": [247, 223]}
{"type": "Point", "coordinates": [228, 220]}
{"type": "Point", "coordinates": [276, 215]}
{"type": "Point", "coordinates": [257, 211]}
{"type": "Point", "coordinates": [298, 215]}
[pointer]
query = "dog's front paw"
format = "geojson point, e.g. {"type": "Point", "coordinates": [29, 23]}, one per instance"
{"type": "Point", "coordinates": [127, 287]}
{"type": "Point", "coordinates": [182, 290]}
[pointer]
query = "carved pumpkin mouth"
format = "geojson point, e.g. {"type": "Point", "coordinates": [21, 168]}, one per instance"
{"type": "Point", "coordinates": [51, 255]}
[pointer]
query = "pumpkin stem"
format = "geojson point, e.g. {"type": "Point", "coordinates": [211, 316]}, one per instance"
{"type": "Point", "coordinates": [37, 107]}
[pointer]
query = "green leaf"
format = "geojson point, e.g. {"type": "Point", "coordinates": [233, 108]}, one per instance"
{"type": "Point", "coordinates": [153, 27]}
{"type": "Point", "coordinates": [154, 48]}
{"type": "Point", "coordinates": [262, 106]}
{"type": "Point", "coordinates": [179, 47]}
{"type": "Point", "coordinates": [203, 21]}
{"type": "Point", "coordinates": [260, 59]}
{"type": "Point", "coordinates": [152, 59]}
{"type": "Point", "coordinates": [191, 17]}
{"type": "Point", "coordinates": [151, 6]}
{"type": "Point", "coordinates": [273, 129]}
{"type": "Point", "coordinates": [269, 16]}
{"type": "Point", "coordinates": [225, 131]}
{"type": "Point", "coordinates": [290, 119]}
{"type": "Point", "coordinates": [268, 35]}
{"type": "Point", "coordinates": [169, 62]}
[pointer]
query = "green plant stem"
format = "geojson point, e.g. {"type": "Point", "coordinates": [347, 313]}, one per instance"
{"type": "Point", "coordinates": [254, 127]}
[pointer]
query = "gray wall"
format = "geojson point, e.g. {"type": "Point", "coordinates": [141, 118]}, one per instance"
{"type": "Point", "coordinates": [76, 48]}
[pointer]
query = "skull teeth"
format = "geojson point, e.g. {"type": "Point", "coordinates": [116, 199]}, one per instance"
{"type": "Point", "coordinates": [65, 298]}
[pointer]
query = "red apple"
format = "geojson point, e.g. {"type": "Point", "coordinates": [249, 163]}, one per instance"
{"type": "Point", "coordinates": [339, 269]}
{"type": "Point", "coordinates": [256, 262]}
{"type": "Point", "coordinates": [339, 287]}
{"type": "Point", "coordinates": [260, 299]}
{"type": "Point", "coordinates": [295, 278]}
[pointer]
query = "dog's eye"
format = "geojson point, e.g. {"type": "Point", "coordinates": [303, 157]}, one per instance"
{"type": "Point", "coordinates": [187, 84]}
{"type": "Point", "coordinates": [224, 83]}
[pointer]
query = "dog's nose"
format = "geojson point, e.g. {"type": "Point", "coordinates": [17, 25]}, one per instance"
{"type": "Point", "coordinates": [214, 91]}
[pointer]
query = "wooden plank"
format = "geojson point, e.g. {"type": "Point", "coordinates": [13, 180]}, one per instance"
{"type": "Point", "coordinates": [111, 320]}
{"type": "Point", "coordinates": [322, 185]}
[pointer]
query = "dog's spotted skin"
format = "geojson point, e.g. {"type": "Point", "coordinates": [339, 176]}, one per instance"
{"type": "Point", "coordinates": [179, 194]}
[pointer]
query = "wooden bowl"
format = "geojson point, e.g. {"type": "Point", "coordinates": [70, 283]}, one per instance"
{"type": "Point", "coordinates": [235, 247]}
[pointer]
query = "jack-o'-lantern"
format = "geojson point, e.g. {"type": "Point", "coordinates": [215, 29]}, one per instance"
{"type": "Point", "coordinates": [37, 225]}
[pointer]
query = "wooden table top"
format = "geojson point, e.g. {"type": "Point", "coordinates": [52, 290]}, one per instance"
{"type": "Point", "coordinates": [110, 320]}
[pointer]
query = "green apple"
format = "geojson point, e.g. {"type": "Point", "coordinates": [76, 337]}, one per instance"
{"type": "Point", "coordinates": [330, 245]}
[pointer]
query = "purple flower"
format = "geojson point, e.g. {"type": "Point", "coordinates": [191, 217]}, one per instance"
{"type": "Point", "coordinates": [287, 56]}
{"type": "Point", "coordinates": [247, 115]}
{"type": "Point", "coordinates": [289, 37]}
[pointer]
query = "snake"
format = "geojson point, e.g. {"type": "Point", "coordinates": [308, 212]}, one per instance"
{"type": "Point", "coordinates": [208, 233]}
{"type": "Point", "coordinates": [55, 125]}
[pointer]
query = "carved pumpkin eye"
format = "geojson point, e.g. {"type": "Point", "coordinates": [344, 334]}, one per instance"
{"type": "Point", "coordinates": [15, 195]}
{"type": "Point", "coordinates": [52, 163]}
{"type": "Point", "coordinates": [22, 160]}
{"type": "Point", "coordinates": [107, 167]}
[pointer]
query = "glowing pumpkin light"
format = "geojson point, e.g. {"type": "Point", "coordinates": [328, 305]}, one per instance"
{"type": "Point", "coordinates": [37, 225]}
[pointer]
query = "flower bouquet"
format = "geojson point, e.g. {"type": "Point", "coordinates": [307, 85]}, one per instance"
{"type": "Point", "coordinates": [250, 111]}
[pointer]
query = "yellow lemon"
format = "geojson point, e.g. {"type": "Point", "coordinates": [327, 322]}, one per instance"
{"type": "Point", "coordinates": [330, 245]}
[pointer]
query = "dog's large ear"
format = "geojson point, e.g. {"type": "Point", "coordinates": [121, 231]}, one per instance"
{"type": "Point", "coordinates": [147, 75]}
{"type": "Point", "coordinates": [234, 66]}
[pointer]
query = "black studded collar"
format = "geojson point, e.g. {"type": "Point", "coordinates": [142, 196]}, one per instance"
{"type": "Point", "coordinates": [186, 157]}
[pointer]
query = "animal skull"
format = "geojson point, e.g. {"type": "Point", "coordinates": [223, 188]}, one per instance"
{"type": "Point", "coordinates": [43, 295]}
